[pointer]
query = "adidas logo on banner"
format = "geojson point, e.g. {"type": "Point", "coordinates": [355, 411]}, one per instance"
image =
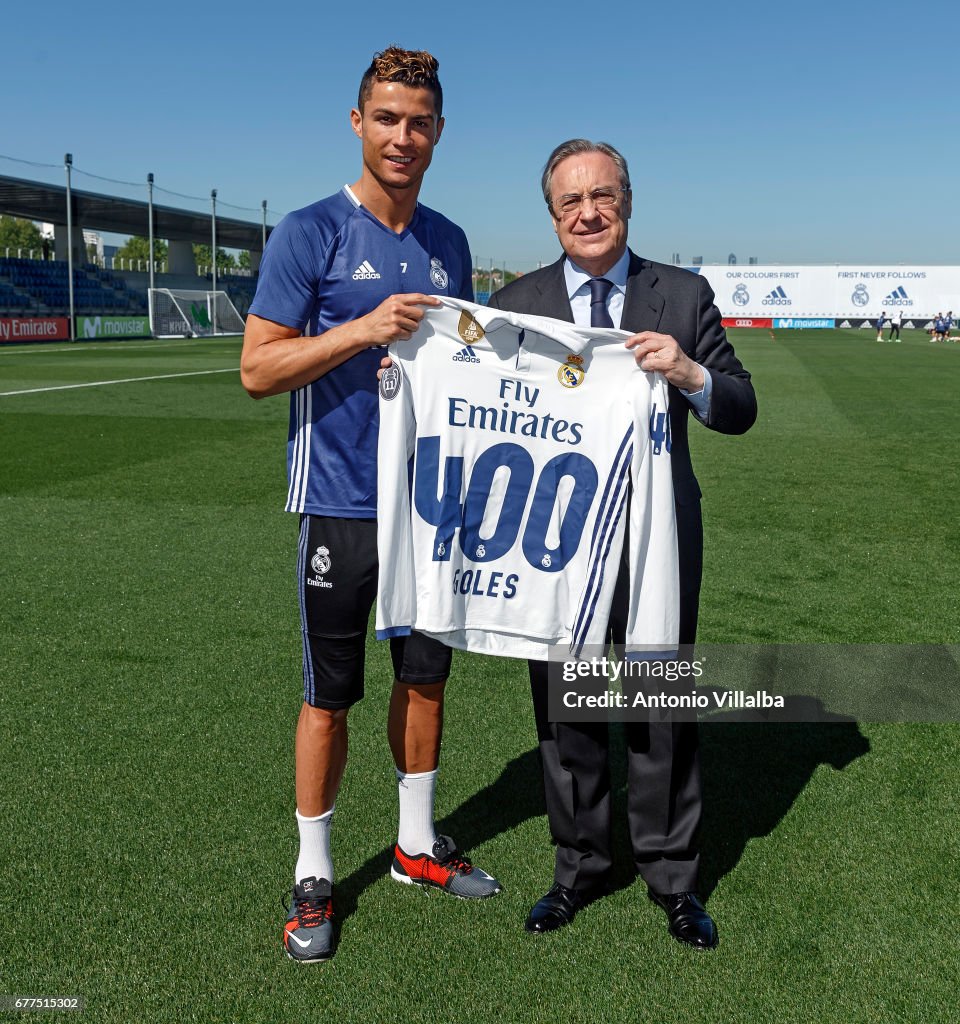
{"type": "Point", "coordinates": [778, 297]}
{"type": "Point", "coordinates": [898, 297]}
{"type": "Point", "coordinates": [365, 272]}
{"type": "Point", "coordinates": [844, 323]}
{"type": "Point", "coordinates": [909, 325]}
{"type": "Point", "coordinates": [466, 355]}
{"type": "Point", "coordinates": [866, 323]}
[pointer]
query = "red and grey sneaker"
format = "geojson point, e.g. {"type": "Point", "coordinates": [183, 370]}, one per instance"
{"type": "Point", "coordinates": [308, 933]}
{"type": "Point", "coordinates": [447, 869]}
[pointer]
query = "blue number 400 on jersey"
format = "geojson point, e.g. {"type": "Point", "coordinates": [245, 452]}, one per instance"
{"type": "Point", "coordinates": [462, 514]}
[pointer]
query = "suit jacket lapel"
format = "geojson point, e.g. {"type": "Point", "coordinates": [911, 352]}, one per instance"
{"type": "Point", "coordinates": [642, 305]}
{"type": "Point", "coordinates": [554, 300]}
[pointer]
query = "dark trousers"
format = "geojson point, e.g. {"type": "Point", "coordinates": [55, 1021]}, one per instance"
{"type": "Point", "coordinates": [664, 799]}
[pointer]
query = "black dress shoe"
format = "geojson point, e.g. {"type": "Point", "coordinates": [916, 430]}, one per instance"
{"type": "Point", "coordinates": [558, 908]}
{"type": "Point", "coordinates": [689, 921]}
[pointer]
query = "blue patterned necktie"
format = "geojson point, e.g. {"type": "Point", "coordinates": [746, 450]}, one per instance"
{"type": "Point", "coordinates": [599, 290]}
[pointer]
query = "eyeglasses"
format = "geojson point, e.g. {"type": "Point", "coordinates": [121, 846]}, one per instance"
{"type": "Point", "coordinates": [602, 199]}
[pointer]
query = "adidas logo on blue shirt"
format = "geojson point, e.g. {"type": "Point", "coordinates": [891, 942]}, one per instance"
{"type": "Point", "coordinates": [466, 355]}
{"type": "Point", "coordinates": [365, 272]}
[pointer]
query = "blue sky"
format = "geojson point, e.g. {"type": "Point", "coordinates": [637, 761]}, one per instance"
{"type": "Point", "coordinates": [823, 132]}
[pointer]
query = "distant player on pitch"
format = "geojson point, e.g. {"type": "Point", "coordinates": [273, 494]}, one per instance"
{"type": "Point", "coordinates": [354, 271]}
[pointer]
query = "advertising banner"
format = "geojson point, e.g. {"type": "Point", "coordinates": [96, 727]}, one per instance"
{"type": "Point", "coordinates": [803, 322]}
{"type": "Point", "coordinates": [33, 328]}
{"type": "Point", "coordinates": [747, 321]}
{"type": "Point", "coordinates": [918, 291]}
{"type": "Point", "coordinates": [113, 327]}
{"type": "Point", "coordinates": [854, 293]}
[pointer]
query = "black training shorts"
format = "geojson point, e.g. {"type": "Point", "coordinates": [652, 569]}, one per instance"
{"type": "Point", "coordinates": [337, 584]}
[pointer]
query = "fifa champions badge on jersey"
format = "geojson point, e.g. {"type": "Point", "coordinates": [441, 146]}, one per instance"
{"type": "Point", "coordinates": [571, 373]}
{"type": "Point", "coordinates": [437, 274]}
{"type": "Point", "coordinates": [390, 380]}
{"type": "Point", "coordinates": [469, 329]}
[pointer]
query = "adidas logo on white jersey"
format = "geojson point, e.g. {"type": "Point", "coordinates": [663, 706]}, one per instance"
{"type": "Point", "coordinates": [466, 355]}
{"type": "Point", "coordinates": [365, 272]}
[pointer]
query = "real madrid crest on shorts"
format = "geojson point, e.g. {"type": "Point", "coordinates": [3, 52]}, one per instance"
{"type": "Point", "coordinates": [390, 380]}
{"type": "Point", "coordinates": [570, 374]}
{"type": "Point", "coordinates": [320, 563]}
{"type": "Point", "coordinates": [437, 274]}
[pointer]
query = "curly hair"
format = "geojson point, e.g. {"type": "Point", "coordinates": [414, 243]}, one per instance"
{"type": "Point", "coordinates": [415, 68]}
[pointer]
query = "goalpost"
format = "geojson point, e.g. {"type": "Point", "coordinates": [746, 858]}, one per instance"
{"type": "Point", "coordinates": [177, 313]}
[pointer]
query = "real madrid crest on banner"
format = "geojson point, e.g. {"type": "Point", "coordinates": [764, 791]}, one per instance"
{"type": "Point", "coordinates": [740, 295]}
{"type": "Point", "coordinates": [570, 374]}
{"type": "Point", "coordinates": [469, 329]}
{"type": "Point", "coordinates": [860, 296]}
{"type": "Point", "coordinates": [320, 563]}
{"type": "Point", "coordinates": [437, 274]}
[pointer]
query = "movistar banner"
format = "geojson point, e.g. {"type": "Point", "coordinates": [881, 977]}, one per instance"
{"type": "Point", "coordinates": [113, 327]}
{"type": "Point", "coordinates": [833, 292]}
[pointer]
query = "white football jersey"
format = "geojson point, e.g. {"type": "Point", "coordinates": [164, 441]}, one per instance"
{"type": "Point", "coordinates": [508, 447]}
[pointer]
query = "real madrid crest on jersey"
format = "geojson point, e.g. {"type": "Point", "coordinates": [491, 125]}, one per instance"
{"type": "Point", "coordinates": [469, 329]}
{"type": "Point", "coordinates": [570, 374]}
{"type": "Point", "coordinates": [390, 380]}
{"type": "Point", "coordinates": [320, 563]}
{"type": "Point", "coordinates": [437, 274]}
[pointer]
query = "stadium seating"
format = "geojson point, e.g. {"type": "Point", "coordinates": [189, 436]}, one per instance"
{"type": "Point", "coordinates": [239, 288]}
{"type": "Point", "coordinates": [42, 287]}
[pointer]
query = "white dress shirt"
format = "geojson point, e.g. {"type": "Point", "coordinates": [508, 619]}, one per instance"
{"type": "Point", "coordinates": [578, 291]}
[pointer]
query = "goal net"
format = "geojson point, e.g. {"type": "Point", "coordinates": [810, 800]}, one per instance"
{"type": "Point", "coordinates": [176, 313]}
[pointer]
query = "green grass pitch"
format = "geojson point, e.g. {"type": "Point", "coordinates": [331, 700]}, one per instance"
{"type": "Point", "coordinates": [150, 671]}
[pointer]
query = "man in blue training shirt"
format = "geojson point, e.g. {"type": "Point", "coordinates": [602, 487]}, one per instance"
{"type": "Point", "coordinates": [339, 280]}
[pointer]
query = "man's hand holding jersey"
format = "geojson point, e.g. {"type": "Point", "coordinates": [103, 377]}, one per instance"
{"type": "Point", "coordinates": [277, 358]}
{"type": "Point", "coordinates": [396, 318]}
{"type": "Point", "coordinates": [661, 352]}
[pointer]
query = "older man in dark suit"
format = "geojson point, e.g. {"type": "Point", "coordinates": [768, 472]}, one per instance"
{"type": "Point", "coordinates": [678, 332]}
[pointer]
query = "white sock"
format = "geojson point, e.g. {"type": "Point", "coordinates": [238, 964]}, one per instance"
{"type": "Point", "coordinates": [416, 833]}
{"type": "Point", "coordinates": [315, 859]}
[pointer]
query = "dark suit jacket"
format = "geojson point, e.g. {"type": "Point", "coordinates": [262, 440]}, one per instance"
{"type": "Point", "coordinates": [672, 301]}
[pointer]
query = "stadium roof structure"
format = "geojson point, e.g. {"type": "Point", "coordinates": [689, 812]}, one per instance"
{"type": "Point", "coordinates": [36, 200]}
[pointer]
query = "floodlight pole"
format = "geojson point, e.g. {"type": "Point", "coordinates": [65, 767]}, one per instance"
{"type": "Point", "coordinates": [213, 225]}
{"type": "Point", "coordinates": [263, 231]}
{"type": "Point", "coordinates": [213, 253]}
{"type": "Point", "coordinates": [150, 215]}
{"type": "Point", "coordinates": [68, 165]}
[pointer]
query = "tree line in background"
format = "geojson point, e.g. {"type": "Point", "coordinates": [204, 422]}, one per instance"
{"type": "Point", "coordinates": [18, 233]}
{"type": "Point", "coordinates": [138, 248]}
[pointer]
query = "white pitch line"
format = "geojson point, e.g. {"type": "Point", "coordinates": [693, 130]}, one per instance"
{"type": "Point", "coordinates": [105, 346]}
{"type": "Point", "coordinates": [125, 380]}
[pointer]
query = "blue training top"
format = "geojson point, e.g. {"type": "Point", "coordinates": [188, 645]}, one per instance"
{"type": "Point", "coordinates": [325, 265]}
